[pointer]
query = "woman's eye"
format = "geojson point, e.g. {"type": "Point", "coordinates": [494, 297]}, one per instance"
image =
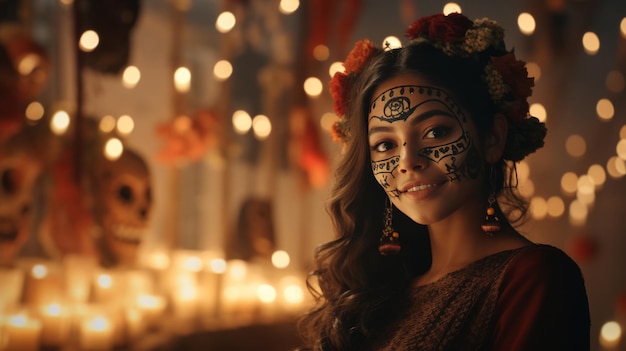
{"type": "Point", "coordinates": [382, 146]}
{"type": "Point", "coordinates": [437, 132]}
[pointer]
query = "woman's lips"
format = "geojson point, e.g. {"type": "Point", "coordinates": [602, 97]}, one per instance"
{"type": "Point", "coordinates": [420, 190]}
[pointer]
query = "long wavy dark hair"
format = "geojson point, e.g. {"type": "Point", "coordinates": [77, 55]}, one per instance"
{"type": "Point", "coordinates": [358, 290]}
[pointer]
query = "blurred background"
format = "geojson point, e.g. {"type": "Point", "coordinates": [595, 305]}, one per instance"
{"type": "Point", "coordinates": [169, 160]}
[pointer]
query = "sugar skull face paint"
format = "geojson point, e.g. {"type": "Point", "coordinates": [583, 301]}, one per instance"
{"type": "Point", "coordinates": [416, 122]}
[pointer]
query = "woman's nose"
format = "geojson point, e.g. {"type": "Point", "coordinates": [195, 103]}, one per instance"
{"type": "Point", "coordinates": [410, 159]}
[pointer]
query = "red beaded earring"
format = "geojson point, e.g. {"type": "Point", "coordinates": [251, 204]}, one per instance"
{"type": "Point", "coordinates": [390, 240]}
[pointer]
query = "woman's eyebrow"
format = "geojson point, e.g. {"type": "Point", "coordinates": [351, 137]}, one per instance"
{"type": "Point", "coordinates": [413, 120]}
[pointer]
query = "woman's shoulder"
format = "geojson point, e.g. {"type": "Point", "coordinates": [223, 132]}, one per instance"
{"type": "Point", "coordinates": [542, 263]}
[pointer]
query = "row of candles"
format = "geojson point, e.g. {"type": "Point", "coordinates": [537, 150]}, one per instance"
{"type": "Point", "coordinates": [74, 304]}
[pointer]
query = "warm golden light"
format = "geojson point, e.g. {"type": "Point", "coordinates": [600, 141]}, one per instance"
{"type": "Point", "coordinates": [622, 27]}
{"type": "Point", "coordinates": [336, 67]}
{"type": "Point", "coordinates": [39, 271]}
{"type": "Point", "coordinates": [526, 23]}
{"type": "Point", "coordinates": [578, 212]}
{"type": "Point", "coordinates": [280, 259]}
{"type": "Point", "coordinates": [293, 294]}
{"type": "Point", "coordinates": [218, 265]}
{"type": "Point", "coordinates": [266, 293]}
{"type": "Point", "coordinates": [222, 70]}
{"type": "Point", "coordinates": [89, 41]}
{"type": "Point", "coordinates": [287, 7]}
{"type": "Point", "coordinates": [125, 124]}
{"type": "Point", "coordinates": [597, 175]}
{"type": "Point", "coordinates": [391, 42]}
{"type": "Point", "coordinates": [533, 70]}
{"type": "Point", "coordinates": [538, 207]}
{"type": "Point", "coordinates": [575, 145]}
{"type": "Point", "coordinates": [569, 182]}
{"type": "Point", "coordinates": [451, 7]}
{"type": "Point", "coordinates": [556, 206]}
{"type": "Point", "coordinates": [523, 170]}
{"type": "Point", "coordinates": [610, 334]}
{"type": "Point", "coordinates": [60, 122]}
{"type": "Point", "coordinates": [104, 281]}
{"type": "Point", "coordinates": [28, 63]}
{"type": "Point", "coordinates": [537, 110]}
{"type": "Point", "coordinates": [605, 109]}
{"type": "Point", "coordinates": [327, 120]}
{"type": "Point", "coordinates": [53, 309]}
{"type": "Point", "coordinates": [620, 148]}
{"type": "Point", "coordinates": [242, 122]}
{"type": "Point", "coordinates": [131, 77]}
{"type": "Point", "coordinates": [182, 79]}
{"type": "Point", "coordinates": [591, 43]}
{"type": "Point", "coordinates": [193, 264]}
{"type": "Point", "coordinates": [107, 124]}
{"type": "Point", "coordinates": [321, 52]}
{"type": "Point", "coordinates": [585, 185]}
{"type": "Point", "coordinates": [34, 111]}
{"type": "Point", "coordinates": [113, 149]}
{"type": "Point", "coordinates": [616, 167]}
{"type": "Point", "coordinates": [225, 22]}
{"type": "Point", "coordinates": [261, 126]}
{"type": "Point", "coordinates": [313, 86]}
{"type": "Point", "coordinates": [527, 188]}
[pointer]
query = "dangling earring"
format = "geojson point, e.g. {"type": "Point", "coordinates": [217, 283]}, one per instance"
{"type": "Point", "coordinates": [492, 222]}
{"type": "Point", "coordinates": [390, 240]}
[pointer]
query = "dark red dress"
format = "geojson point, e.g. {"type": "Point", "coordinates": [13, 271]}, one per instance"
{"type": "Point", "coordinates": [532, 298]}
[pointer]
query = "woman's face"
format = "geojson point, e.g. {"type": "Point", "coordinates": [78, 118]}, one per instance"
{"type": "Point", "coordinates": [423, 149]}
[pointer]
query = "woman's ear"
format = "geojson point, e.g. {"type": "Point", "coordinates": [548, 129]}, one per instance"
{"type": "Point", "coordinates": [496, 139]}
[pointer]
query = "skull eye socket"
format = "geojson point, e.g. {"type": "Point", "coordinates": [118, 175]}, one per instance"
{"type": "Point", "coordinates": [9, 181]}
{"type": "Point", "coordinates": [125, 193]}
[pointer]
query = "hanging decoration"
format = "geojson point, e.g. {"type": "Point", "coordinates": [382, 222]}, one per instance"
{"type": "Point", "coordinates": [188, 139]}
{"type": "Point", "coordinates": [113, 21]}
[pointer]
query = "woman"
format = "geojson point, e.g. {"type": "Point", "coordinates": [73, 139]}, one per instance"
{"type": "Point", "coordinates": [427, 257]}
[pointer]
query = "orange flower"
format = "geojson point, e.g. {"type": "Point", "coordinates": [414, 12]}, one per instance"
{"type": "Point", "coordinates": [339, 87]}
{"type": "Point", "coordinates": [357, 58]}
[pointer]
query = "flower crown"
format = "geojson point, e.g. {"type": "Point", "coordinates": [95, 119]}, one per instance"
{"type": "Point", "coordinates": [456, 35]}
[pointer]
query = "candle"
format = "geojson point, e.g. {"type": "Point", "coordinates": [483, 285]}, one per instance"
{"type": "Point", "coordinates": [292, 294]}
{"type": "Point", "coordinates": [12, 283]}
{"type": "Point", "coordinates": [78, 271]}
{"type": "Point", "coordinates": [210, 288]}
{"type": "Point", "coordinates": [22, 333]}
{"type": "Point", "coordinates": [185, 295]}
{"type": "Point", "coordinates": [152, 308]}
{"type": "Point", "coordinates": [109, 286]}
{"type": "Point", "coordinates": [43, 282]}
{"type": "Point", "coordinates": [134, 321]}
{"type": "Point", "coordinates": [239, 301]}
{"type": "Point", "coordinates": [55, 324]}
{"type": "Point", "coordinates": [96, 332]}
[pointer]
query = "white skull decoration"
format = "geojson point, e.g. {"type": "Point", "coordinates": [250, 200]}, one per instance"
{"type": "Point", "coordinates": [19, 171]}
{"type": "Point", "coordinates": [123, 200]}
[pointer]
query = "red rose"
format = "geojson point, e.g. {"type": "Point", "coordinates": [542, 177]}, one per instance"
{"type": "Point", "coordinates": [440, 27]}
{"type": "Point", "coordinates": [518, 111]}
{"type": "Point", "coordinates": [514, 74]}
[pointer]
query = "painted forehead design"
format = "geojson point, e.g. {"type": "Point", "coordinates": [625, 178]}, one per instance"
{"type": "Point", "coordinates": [399, 103]}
